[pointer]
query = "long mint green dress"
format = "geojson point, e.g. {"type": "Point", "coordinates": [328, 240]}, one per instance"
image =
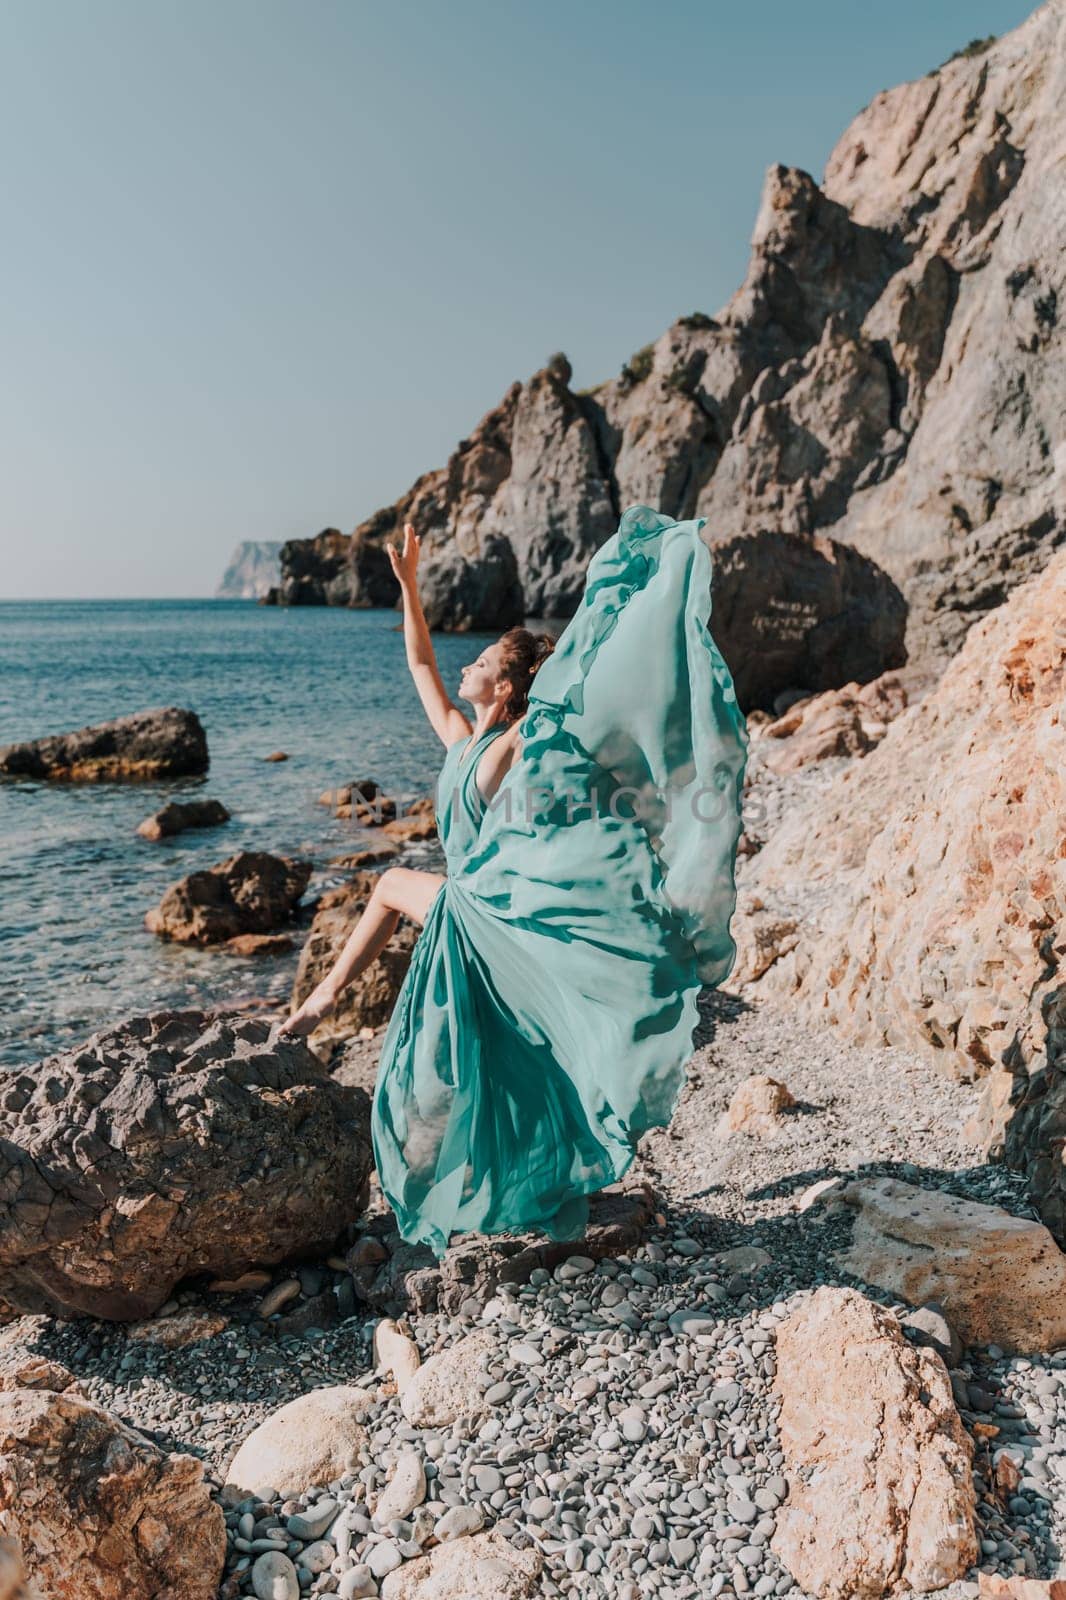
{"type": "Point", "coordinates": [547, 1016]}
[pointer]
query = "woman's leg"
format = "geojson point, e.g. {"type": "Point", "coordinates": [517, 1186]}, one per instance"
{"type": "Point", "coordinates": [399, 892]}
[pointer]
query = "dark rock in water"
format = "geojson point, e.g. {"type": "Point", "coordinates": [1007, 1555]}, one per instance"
{"type": "Point", "coordinates": [167, 742]}
{"type": "Point", "coordinates": [167, 1146]}
{"type": "Point", "coordinates": [181, 814]}
{"type": "Point", "coordinates": [252, 892]}
{"type": "Point", "coordinates": [811, 613]}
{"type": "Point", "coordinates": [410, 1278]}
{"type": "Point", "coordinates": [315, 572]}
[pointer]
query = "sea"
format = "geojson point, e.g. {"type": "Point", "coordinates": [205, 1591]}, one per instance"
{"type": "Point", "coordinates": [329, 687]}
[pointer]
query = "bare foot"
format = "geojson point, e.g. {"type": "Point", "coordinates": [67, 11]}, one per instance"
{"type": "Point", "coordinates": [318, 1005]}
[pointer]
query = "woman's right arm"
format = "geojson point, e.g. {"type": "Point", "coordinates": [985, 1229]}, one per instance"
{"type": "Point", "coordinates": [447, 720]}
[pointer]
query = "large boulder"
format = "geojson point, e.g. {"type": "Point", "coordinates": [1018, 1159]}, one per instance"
{"type": "Point", "coordinates": [933, 871]}
{"type": "Point", "coordinates": [169, 1145]}
{"type": "Point", "coordinates": [880, 1492]}
{"type": "Point", "coordinates": [100, 1512]}
{"type": "Point", "coordinates": [790, 612]}
{"type": "Point", "coordinates": [181, 814]}
{"type": "Point", "coordinates": [168, 742]}
{"type": "Point", "coordinates": [310, 1442]}
{"type": "Point", "coordinates": [252, 892]}
{"type": "Point", "coordinates": [1000, 1279]}
{"type": "Point", "coordinates": [367, 1001]}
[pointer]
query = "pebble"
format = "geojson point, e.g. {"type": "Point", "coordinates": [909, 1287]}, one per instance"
{"type": "Point", "coordinates": [274, 1578]}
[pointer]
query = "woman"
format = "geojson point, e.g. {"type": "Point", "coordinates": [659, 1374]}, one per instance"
{"type": "Point", "coordinates": [547, 1016]}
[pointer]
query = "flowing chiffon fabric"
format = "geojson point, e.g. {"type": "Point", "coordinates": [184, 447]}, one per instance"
{"type": "Point", "coordinates": [547, 1016]}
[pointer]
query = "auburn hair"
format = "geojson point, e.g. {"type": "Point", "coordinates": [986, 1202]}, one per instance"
{"type": "Point", "coordinates": [521, 654]}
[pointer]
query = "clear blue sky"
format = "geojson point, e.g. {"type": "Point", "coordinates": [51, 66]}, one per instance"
{"type": "Point", "coordinates": [266, 262]}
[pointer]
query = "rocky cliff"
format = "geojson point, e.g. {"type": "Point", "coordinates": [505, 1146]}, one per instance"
{"type": "Point", "coordinates": [253, 568]}
{"type": "Point", "coordinates": [891, 370]}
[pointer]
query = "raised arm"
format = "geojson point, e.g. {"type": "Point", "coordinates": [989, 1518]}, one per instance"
{"type": "Point", "coordinates": [447, 720]}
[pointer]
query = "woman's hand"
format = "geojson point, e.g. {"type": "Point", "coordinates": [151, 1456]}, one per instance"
{"type": "Point", "coordinates": [405, 562]}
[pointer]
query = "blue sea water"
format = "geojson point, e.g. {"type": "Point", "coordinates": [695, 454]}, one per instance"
{"type": "Point", "coordinates": [328, 686]}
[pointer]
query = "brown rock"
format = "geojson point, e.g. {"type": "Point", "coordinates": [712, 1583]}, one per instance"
{"type": "Point", "coordinates": [252, 892]}
{"type": "Point", "coordinates": [181, 814]}
{"type": "Point", "coordinates": [408, 1278]}
{"type": "Point", "coordinates": [1000, 1279]}
{"type": "Point", "coordinates": [164, 743]}
{"type": "Point", "coordinates": [881, 1497]}
{"type": "Point", "coordinates": [277, 755]}
{"type": "Point", "coordinates": [369, 999]}
{"type": "Point", "coordinates": [757, 1107]}
{"type": "Point", "coordinates": [410, 828]}
{"type": "Point", "coordinates": [374, 855]}
{"type": "Point", "coordinates": [484, 1565]}
{"type": "Point", "coordinates": [21, 1371]}
{"type": "Point", "coordinates": [841, 722]}
{"type": "Point", "coordinates": [247, 1283]}
{"type": "Point", "coordinates": [167, 1146]}
{"type": "Point", "coordinates": [258, 944]}
{"type": "Point", "coordinates": [100, 1512]}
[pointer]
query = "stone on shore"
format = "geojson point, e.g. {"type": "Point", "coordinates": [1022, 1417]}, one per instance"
{"type": "Point", "coordinates": [450, 1384]}
{"type": "Point", "coordinates": [395, 1353]}
{"type": "Point", "coordinates": [100, 1512]}
{"type": "Point", "coordinates": [181, 814]}
{"type": "Point", "coordinates": [840, 722]}
{"type": "Point", "coordinates": [758, 1107]}
{"type": "Point", "coordinates": [313, 1440]}
{"type": "Point", "coordinates": [880, 1491]}
{"type": "Point", "coordinates": [172, 1144]}
{"type": "Point", "coordinates": [167, 742]}
{"type": "Point", "coordinates": [252, 892]}
{"type": "Point", "coordinates": [368, 1001]}
{"type": "Point", "coordinates": [405, 1490]}
{"type": "Point", "coordinates": [1000, 1279]}
{"type": "Point", "coordinates": [396, 1277]}
{"type": "Point", "coordinates": [483, 1565]}
{"type": "Point", "coordinates": [179, 1330]}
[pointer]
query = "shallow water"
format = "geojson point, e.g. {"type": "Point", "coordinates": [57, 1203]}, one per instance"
{"type": "Point", "coordinates": [328, 686]}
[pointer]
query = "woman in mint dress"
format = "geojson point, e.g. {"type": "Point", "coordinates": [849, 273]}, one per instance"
{"type": "Point", "coordinates": [590, 819]}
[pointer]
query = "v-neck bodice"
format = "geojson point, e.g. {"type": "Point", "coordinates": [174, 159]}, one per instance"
{"type": "Point", "coordinates": [460, 805]}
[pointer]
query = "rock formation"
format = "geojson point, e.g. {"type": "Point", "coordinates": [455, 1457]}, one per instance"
{"type": "Point", "coordinates": [167, 1146]}
{"type": "Point", "coordinates": [1035, 1140]}
{"type": "Point", "coordinates": [881, 1496]}
{"type": "Point", "coordinates": [253, 568]}
{"type": "Point", "coordinates": [1000, 1279]}
{"type": "Point", "coordinates": [935, 868]}
{"type": "Point", "coordinates": [840, 722]}
{"type": "Point", "coordinates": [368, 1000]}
{"type": "Point", "coordinates": [181, 814]}
{"type": "Point", "coordinates": [890, 371]}
{"type": "Point", "coordinates": [252, 892]}
{"type": "Point", "coordinates": [100, 1512]}
{"type": "Point", "coordinates": [165, 743]}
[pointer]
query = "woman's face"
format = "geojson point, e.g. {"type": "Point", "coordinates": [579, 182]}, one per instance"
{"type": "Point", "coordinates": [481, 682]}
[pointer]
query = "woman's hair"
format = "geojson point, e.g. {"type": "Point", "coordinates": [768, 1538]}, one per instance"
{"type": "Point", "coordinates": [522, 653]}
